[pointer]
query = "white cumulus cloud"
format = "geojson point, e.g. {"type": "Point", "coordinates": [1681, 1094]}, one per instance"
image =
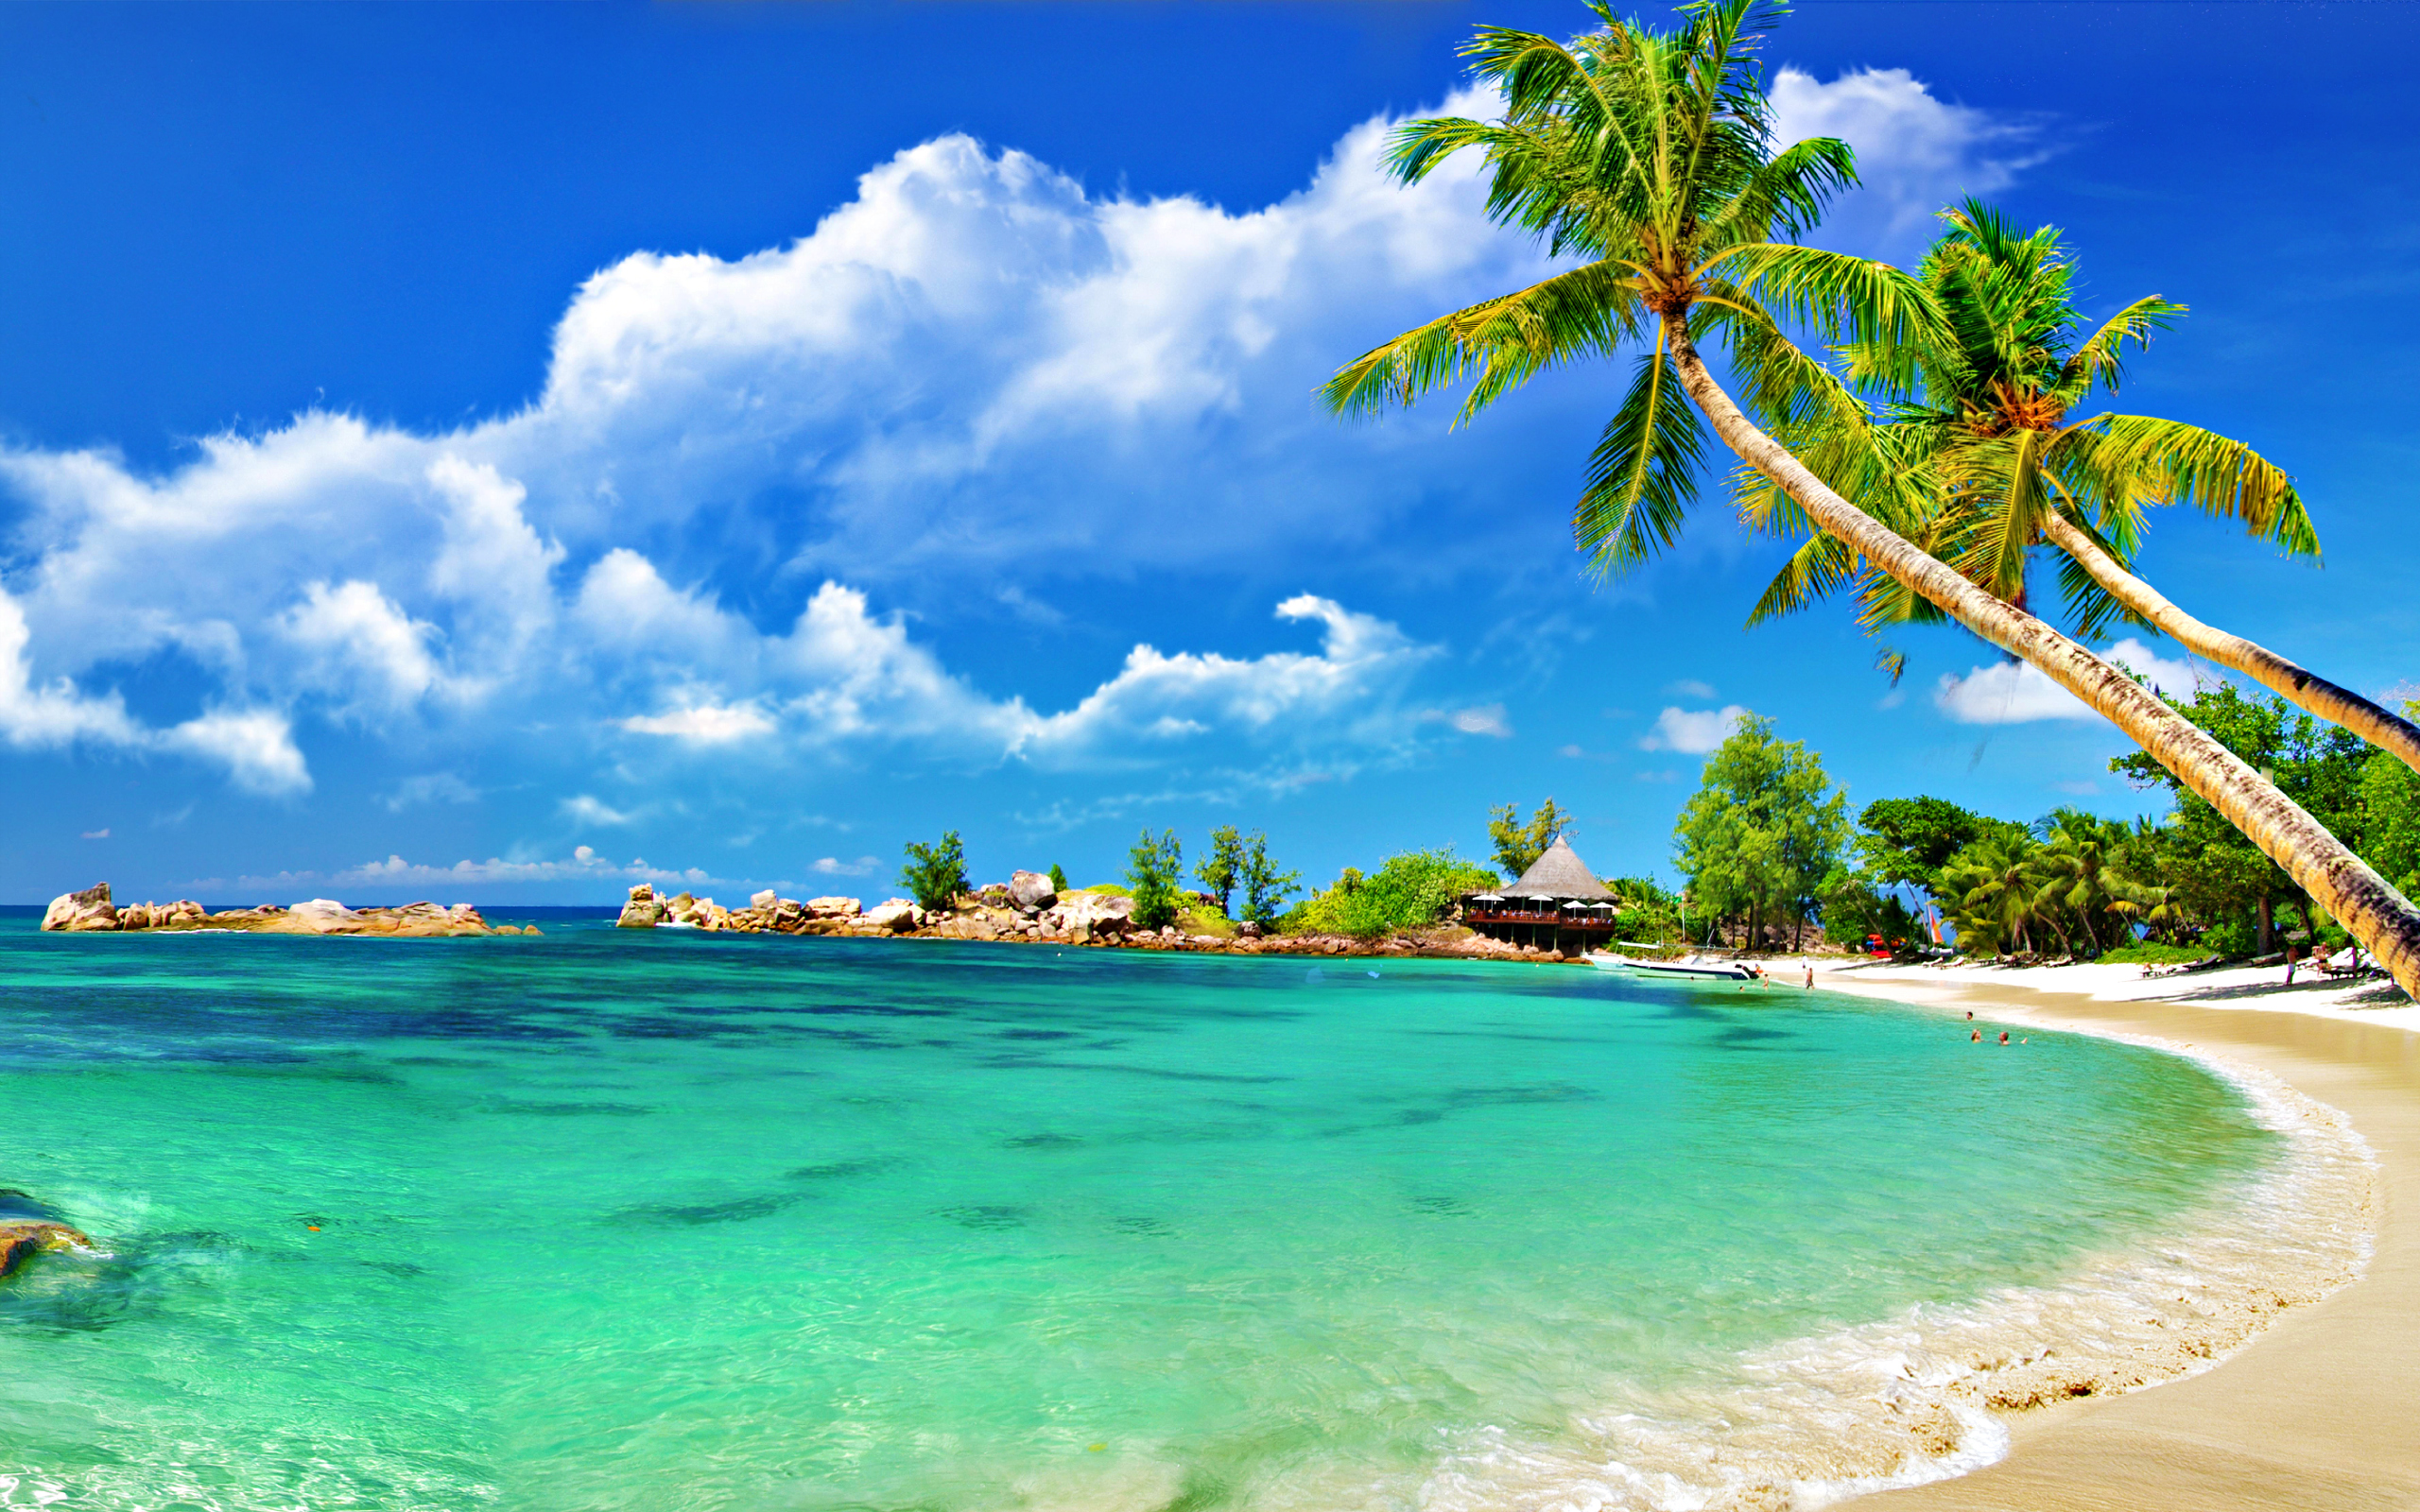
{"type": "Point", "coordinates": [1915, 152]}
{"type": "Point", "coordinates": [707, 536]}
{"type": "Point", "coordinates": [1693, 732]}
{"type": "Point", "coordinates": [2017, 692]}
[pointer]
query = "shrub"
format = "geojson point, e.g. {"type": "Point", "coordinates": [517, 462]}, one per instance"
{"type": "Point", "coordinates": [1154, 868]}
{"type": "Point", "coordinates": [1058, 878]}
{"type": "Point", "coordinates": [2152, 953]}
{"type": "Point", "coordinates": [935, 874]}
{"type": "Point", "coordinates": [1412, 890]}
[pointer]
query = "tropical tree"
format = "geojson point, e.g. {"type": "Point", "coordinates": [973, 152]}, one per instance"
{"type": "Point", "coordinates": [1154, 868]}
{"type": "Point", "coordinates": [1222, 870]}
{"type": "Point", "coordinates": [1992, 885]}
{"type": "Point", "coordinates": [1518, 845]}
{"type": "Point", "coordinates": [935, 875]}
{"type": "Point", "coordinates": [1266, 886]}
{"type": "Point", "coordinates": [1985, 458]}
{"type": "Point", "coordinates": [2076, 877]}
{"type": "Point", "coordinates": [1646, 155]}
{"type": "Point", "coordinates": [1763, 830]}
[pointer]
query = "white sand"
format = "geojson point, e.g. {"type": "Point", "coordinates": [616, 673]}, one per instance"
{"type": "Point", "coordinates": [2322, 1411]}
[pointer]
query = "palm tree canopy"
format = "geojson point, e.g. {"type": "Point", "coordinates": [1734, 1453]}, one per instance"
{"type": "Point", "coordinates": [1962, 435]}
{"type": "Point", "coordinates": [1648, 154]}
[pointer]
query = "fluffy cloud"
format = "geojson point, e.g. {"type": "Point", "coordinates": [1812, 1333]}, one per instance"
{"type": "Point", "coordinates": [1693, 732]}
{"type": "Point", "coordinates": [703, 539]}
{"type": "Point", "coordinates": [2017, 692]}
{"type": "Point", "coordinates": [1914, 153]}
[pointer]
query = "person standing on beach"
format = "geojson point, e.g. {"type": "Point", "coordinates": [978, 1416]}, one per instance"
{"type": "Point", "coordinates": [1810, 976]}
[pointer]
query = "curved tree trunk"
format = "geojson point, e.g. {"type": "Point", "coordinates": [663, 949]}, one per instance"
{"type": "Point", "coordinates": [2339, 705]}
{"type": "Point", "coordinates": [2377, 915]}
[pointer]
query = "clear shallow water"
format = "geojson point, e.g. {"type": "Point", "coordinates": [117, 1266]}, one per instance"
{"type": "Point", "coordinates": [625, 1221]}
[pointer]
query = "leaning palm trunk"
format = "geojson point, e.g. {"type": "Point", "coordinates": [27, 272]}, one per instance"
{"type": "Point", "coordinates": [2340, 706]}
{"type": "Point", "coordinates": [2379, 917]}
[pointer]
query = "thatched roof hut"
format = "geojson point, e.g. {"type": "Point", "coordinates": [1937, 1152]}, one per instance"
{"type": "Point", "coordinates": [1558, 874]}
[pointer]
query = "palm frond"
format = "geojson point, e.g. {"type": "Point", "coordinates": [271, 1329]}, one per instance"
{"type": "Point", "coordinates": [1642, 476]}
{"type": "Point", "coordinates": [1497, 344]}
{"type": "Point", "coordinates": [2176, 463]}
{"type": "Point", "coordinates": [2099, 360]}
{"type": "Point", "coordinates": [1814, 572]}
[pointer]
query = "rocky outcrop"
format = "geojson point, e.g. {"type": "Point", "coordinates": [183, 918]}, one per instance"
{"type": "Point", "coordinates": [642, 911]}
{"type": "Point", "coordinates": [896, 914]}
{"type": "Point", "coordinates": [91, 910]}
{"type": "Point", "coordinates": [86, 910]}
{"type": "Point", "coordinates": [1090, 919]}
{"type": "Point", "coordinates": [1029, 892]}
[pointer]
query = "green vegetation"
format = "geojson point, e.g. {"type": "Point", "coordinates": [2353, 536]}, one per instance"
{"type": "Point", "coordinates": [1266, 888]}
{"type": "Point", "coordinates": [1975, 452]}
{"type": "Point", "coordinates": [935, 875]}
{"type": "Point", "coordinates": [1223, 869]}
{"type": "Point", "coordinates": [1154, 870]}
{"type": "Point", "coordinates": [1410, 890]}
{"type": "Point", "coordinates": [1646, 158]}
{"type": "Point", "coordinates": [1058, 878]}
{"type": "Point", "coordinates": [1518, 845]}
{"type": "Point", "coordinates": [1762, 832]}
{"type": "Point", "coordinates": [2154, 952]}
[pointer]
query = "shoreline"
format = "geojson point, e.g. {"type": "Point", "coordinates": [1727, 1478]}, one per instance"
{"type": "Point", "coordinates": [2310, 1411]}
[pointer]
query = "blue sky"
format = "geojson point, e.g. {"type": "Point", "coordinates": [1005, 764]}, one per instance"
{"type": "Point", "coordinates": [499, 453]}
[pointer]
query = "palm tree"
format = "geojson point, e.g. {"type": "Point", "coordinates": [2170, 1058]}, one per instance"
{"type": "Point", "coordinates": [1984, 460]}
{"type": "Point", "coordinates": [1992, 890]}
{"type": "Point", "coordinates": [1646, 154]}
{"type": "Point", "coordinates": [2075, 873]}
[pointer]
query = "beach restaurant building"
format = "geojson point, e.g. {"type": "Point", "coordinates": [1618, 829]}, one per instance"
{"type": "Point", "coordinates": [1556, 905]}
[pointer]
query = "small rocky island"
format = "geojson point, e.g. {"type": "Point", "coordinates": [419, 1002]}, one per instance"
{"type": "Point", "coordinates": [92, 911]}
{"type": "Point", "coordinates": [1028, 909]}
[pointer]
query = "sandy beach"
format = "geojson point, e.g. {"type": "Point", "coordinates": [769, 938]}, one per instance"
{"type": "Point", "coordinates": [2318, 1411]}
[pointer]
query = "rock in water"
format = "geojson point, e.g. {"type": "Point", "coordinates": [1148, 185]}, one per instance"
{"type": "Point", "coordinates": [1031, 891]}
{"type": "Point", "coordinates": [86, 910]}
{"type": "Point", "coordinates": [21, 1239]}
{"type": "Point", "coordinates": [642, 911]}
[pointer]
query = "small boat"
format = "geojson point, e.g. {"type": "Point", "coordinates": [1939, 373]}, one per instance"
{"type": "Point", "coordinates": [1694, 968]}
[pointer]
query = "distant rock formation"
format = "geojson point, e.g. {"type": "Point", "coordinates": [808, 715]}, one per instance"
{"type": "Point", "coordinates": [1028, 910]}
{"type": "Point", "coordinates": [91, 910]}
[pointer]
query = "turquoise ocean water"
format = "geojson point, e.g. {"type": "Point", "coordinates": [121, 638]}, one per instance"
{"type": "Point", "coordinates": [614, 1221]}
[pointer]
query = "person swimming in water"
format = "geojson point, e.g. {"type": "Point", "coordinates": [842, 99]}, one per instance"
{"type": "Point", "coordinates": [2003, 1037]}
{"type": "Point", "coordinates": [1977, 1038]}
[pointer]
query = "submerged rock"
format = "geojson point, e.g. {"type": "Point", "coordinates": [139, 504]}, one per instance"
{"type": "Point", "coordinates": [24, 1238]}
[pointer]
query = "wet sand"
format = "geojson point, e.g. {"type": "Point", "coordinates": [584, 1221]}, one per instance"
{"type": "Point", "coordinates": [2322, 1412]}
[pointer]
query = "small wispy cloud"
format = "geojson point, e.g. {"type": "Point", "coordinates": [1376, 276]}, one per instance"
{"type": "Point", "coordinates": [429, 787]}
{"type": "Point", "coordinates": [583, 809]}
{"type": "Point", "coordinates": [1482, 719]}
{"type": "Point", "coordinates": [1689, 687]}
{"type": "Point", "coordinates": [95, 834]}
{"type": "Point", "coordinates": [834, 866]}
{"type": "Point", "coordinates": [1693, 732]}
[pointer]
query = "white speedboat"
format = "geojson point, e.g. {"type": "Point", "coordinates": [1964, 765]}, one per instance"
{"type": "Point", "coordinates": [1695, 968]}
